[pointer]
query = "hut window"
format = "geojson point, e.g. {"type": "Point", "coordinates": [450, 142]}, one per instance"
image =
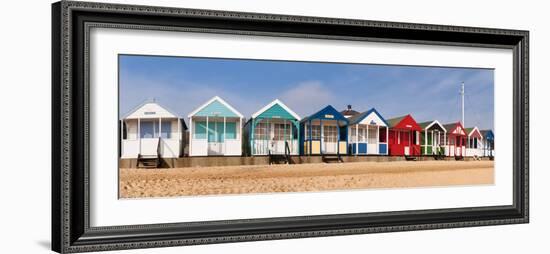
{"type": "Point", "coordinates": [260, 132]}
{"type": "Point", "coordinates": [353, 135]}
{"type": "Point", "coordinates": [428, 137]}
{"type": "Point", "coordinates": [149, 129]}
{"type": "Point", "coordinates": [362, 133]}
{"type": "Point", "coordinates": [330, 134]}
{"type": "Point", "coordinates": [124, 130]}
{"type": "Point", "coordinates": [215, 131]}
{"type": "Point", "coordinates": [473, 143]}
{"type": "Point", "coordinates": [282, 131]}
{"type": "Point", "coordinates": [372, 135]}
{"type": "Point", "coordinates": [382, 135]}
{"type": "Point", "coordinates": [315, 132]}
{"type": "Point", "coordinates": [166, 129]}
{"type": "Point", "coordinates": [230, 130]}
{"type": "Point", "coordinates": [199, 130]}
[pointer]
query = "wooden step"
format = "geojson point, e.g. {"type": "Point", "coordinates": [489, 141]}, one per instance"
{"type": "Point", "coordinates": [278, 159]}
{"type": "Point", "coordinates": [331, 158]}
{"type": "Point", "coordinates": [410, 158]}
{"type": "Point", "coordinates": [148, 162]}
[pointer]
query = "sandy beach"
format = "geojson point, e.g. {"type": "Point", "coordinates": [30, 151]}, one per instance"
{"type": "Point", "coordinates": [138, 183]}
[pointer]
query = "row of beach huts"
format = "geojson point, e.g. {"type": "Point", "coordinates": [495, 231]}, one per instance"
{"type": "Point", "coordinates": [217, 129]}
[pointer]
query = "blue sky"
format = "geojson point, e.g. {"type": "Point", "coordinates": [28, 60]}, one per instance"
{"type": "Point", "coordinates": [181, 84]}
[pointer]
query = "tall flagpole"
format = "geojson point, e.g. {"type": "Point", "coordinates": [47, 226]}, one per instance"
{"type": "Point", "coordinates": [462, 97]}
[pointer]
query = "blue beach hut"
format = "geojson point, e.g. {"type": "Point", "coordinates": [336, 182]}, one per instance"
{"type": "Point", "coordinates": [489, 144]}
{"type": "Point", "coordinates": [215, 129]}
{"type": "Point", "coordinates": [324, 133]}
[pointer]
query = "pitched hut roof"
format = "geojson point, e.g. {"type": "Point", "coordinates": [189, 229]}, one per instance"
{"type": "Point", "coordinates": [450, 127]}
{"type": "Point", "coordinates": [432, 124]}
{"type": "Point", "coordinates": [327, 113]}
{"type": "Point", "coordinates": [150, 109]}
{"type": "Point", "coordinates": [359, 117]}
{"type": "Point", "coordinates": [473, 131]}
{"type": "Point", "coordinates": [349, 112]}
{"type": "Point", "coordinates": [216, 107]}
{"type": "Point", "coordinates": [403, 122]}
{"type": "Point", "coordinates": [276, 109]}
{"type": "Point", "coordinates": [488, 134]}
{"type": "Point", "coordinates": [394, 121]}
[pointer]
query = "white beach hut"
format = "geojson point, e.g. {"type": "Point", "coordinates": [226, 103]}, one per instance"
{"type": "Point", "coordinates": [151, 131]}
{"type": "Point", "coordinates": [368, 133]}
{"type": "Point", "coordinates": [215, 129]}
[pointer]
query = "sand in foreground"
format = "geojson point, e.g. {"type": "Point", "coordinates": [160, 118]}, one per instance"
{"type": "Point", "coordinates": [136, 183]}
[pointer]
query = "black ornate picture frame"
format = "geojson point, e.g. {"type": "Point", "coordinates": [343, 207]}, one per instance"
{"type": "Point", "coordinates": [71, 231]}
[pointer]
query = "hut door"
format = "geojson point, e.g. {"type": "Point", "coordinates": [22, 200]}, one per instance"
{"type": "Point", "coordinates": [372, 140]}
{"type": "Point", "coordinates": [215, 138]}
{"type": "Point", "coordinates": [330, 139]}
{"type": "Point", "coordinates": [458, 146]}
{"type": "Point", "coordinates": [149, 137]}
{"type": "Point", "coordinates": [281, 134]}
{"type": "Point", "coordinates": [406, 142]}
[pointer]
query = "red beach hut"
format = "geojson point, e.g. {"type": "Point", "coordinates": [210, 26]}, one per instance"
{"type": "Point", "coordinates": [404, 136]}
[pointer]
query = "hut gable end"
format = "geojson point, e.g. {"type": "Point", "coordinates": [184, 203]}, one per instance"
{"type": "Point", "coordinates": [216, 107]}
{"type": "Point", "coordinates": [276, 109]}
{"type": "Point", "coordinates": [405, 122]}
{"type": "Point", "coordinates": [474, 132]}
{"type": "Point", "coordinates": [432, 125]}
{"type": "Point", "coordinates": [150, 110]}
{"type": "Point", "coordinates": [455, 129]}
{"type": "Point", "coordinates": [371, 117]}
{"type": "Point", "coordinates": [327, 113]}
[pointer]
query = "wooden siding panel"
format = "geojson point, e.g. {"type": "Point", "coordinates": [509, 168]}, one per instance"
{"type": "Point", "coordinates": [216, 108]}
{"type": "Point", "coordinates": [276, 111]}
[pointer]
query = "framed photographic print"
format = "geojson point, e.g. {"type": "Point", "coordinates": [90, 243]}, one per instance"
{"type": "Point", "coordinates": [181, 126]}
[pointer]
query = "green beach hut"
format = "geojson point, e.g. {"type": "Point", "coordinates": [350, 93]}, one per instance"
{"type": "Point", "coordinates": [432, 138]}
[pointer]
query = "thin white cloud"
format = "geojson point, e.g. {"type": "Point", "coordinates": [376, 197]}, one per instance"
{"type": "Point", "coordinates": [308, 97]}
{"type": "Point", "coordinates": [137, 89]}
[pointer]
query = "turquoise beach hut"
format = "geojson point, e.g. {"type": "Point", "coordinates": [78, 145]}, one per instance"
{"type": "Point", "coordinates": [324, 133]}
{"type": "Point", "coordinates": [215, 129]}
{"type": "Point", "coordinates": [274, 129]}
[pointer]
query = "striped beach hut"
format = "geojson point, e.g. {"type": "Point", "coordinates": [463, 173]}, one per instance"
{"type": "Point", "coordinates": [489, 144]}
{"type": "Point", "coordinates": [324, 132]}
{"type": "Point", "coordinates": [151, 131]}
{"type": "Point", "coordinates": [272, 129]}
{"type": "Point", "coordinates": [404, 136]}
{"type": "Point", "coordinates": [456, 139]}
{"type": "Point", "coordinates": [215, 129]}
{"type": "Point", "coordinates": [474, 145]}
{"type": "Point", "coordinates": [432, 138]}
{"type": "Point", "coordinates": [368, 133]}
